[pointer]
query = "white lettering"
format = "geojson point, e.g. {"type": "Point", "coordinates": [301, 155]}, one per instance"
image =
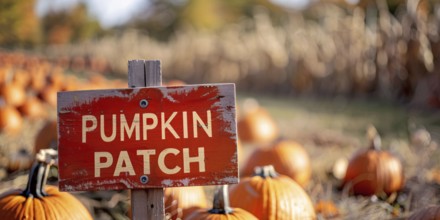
{"type": "Point", "coordinates": [130, 129]}
{"type": "Point", "coordinates": [85, 129]}
{"type": "Point", "coordinates": [124, 159]}
{"type": "Point", "coordinates": [113, 134]}
{"type": "Point", "coordinates": [161, 161]}
{"type": "Point", "coordinates": [197, 120]}
{"type": "Point", "coordinates": [185, 124]}
{"type": "Point", "coordinates": [146, 126]}
{"type": "Point", "coordinates": [166, 125]}
{"type": "Point", "coordinates": [146, 155]}
{"type": "Point", "coordinates": [98, 165]}
{"type": "Point", "coordinates": [198, 159]}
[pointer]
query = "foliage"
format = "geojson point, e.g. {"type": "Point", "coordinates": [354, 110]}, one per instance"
{"type": "Point", "coordinates": [19, 24]}
{"type": "Point", "coordinates": [75, 25]}
{"type": "Point", "coordinates": [166, 18]}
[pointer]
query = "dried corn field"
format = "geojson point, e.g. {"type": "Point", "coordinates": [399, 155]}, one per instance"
{"type": "Point", "coordinates": [326, 50]}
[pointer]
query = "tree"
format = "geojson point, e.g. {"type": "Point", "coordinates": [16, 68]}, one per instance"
{"type": "Point", "coordinates": [74, 25]}
{"type": "Point", "coordinates": [19, 24]}
{"type": "Point", "coordinates": [163, 17]}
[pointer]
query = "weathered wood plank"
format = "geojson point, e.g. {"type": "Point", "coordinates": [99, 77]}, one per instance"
{"type": "Point", "coordinates": [146, 204]}
{"type": "Point", "coordinates": [185, 136]}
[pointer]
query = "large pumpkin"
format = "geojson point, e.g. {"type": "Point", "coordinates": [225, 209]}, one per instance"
{"type": "Point", "coordinates": [180, 199]}
{"type": "Point", "coordinates": [256, 125]}
{"type": "Point", "coordinates": [288, 158]}
{"type": "Point", "coordinates": [374, 171]}
{"type": "Point", "coordinates": [221, 209]}
{"type": "Point", "coordinates": [39, 201]}
{"type": "Point", "coordinates": [268, 195]}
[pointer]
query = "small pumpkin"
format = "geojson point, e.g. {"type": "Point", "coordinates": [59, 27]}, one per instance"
{"type": "Point", "coordinates": [13, 94]}
{"type": "Point", "coordinates": [374, 171]}
{"type": "Point", "coordinates": [39, 201]}
{"type": "Point", "coordinates": [47, 136]}
{"type": "Point", "coordinates": [268, 195]}
{"type": "Point", "coordinates": [179, 199]}
{"type": "Point", "coordinates": [427, 213]}
{"type": "Point", "coordinates": [288, 158]}
{"type": "Point", "coordinates": [38, 80]}
{"type": "Point", "coordinates": [221, 209]}
{"type": "Point", "coordinates": [20, 160]}
{"type": "Point", "coordinates": [255, 124]}
{"type": "Point", "coordinates": [327, 209]}
{"type": "Point", "coordinates": [11, 121]}
{"type": "Point", "coordinates": [33, 109]}
{"type": "Point", "coordinates": [49, 95]}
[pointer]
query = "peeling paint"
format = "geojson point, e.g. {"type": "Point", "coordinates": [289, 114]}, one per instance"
{"type": "Point", "coordinates": [76, 158]}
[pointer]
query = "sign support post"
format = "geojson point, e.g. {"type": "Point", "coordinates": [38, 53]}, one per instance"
{"type": "Point", "coordinates": [146, 203]}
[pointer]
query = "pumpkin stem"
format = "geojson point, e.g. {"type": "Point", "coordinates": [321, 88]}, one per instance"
{"type": "Point", "coordinates": [38, 174]}
{"type": "Point", "coordinates": [265, 171]}
{"type": "Point", "coordinates": [221, 201]}
{"type": "Point", "coordinates": [374, 138]}
{"type": "Point", "coordinates": [35, 184]}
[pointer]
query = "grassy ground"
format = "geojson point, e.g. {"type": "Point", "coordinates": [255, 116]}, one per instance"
{"type": "Point", "coordinates": [331, 129]}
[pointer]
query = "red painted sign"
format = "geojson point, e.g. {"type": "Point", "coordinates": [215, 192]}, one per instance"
{"type": "Point", "coordinates": [147, 137]}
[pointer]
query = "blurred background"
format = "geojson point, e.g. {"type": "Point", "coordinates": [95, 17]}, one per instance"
{"type": "Point", "coordinates": [380, 48]}
{"type": "Point", "coordinates": [323, 70]}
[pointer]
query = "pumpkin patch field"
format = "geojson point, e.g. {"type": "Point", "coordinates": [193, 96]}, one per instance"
{"type": "Point", "coordinates": [298, 157]}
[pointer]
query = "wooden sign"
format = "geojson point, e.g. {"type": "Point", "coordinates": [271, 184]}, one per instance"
{"type": "Point", "coordinates": [147, 137]}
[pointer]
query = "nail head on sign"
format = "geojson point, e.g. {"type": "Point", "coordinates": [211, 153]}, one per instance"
{"type": "Point", "coordinates": [144, 179]}
{"type": "Point", "coordinates": [143, 103]}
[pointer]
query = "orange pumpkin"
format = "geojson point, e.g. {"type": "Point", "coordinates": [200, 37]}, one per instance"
{"type": "Point", "coordinates": [179, 199]}
{"type": "Point", "coordinates": [221, 209]}
{"type": "Point", "coordinates": [288, 157]}
{"type": "Point", "coordinates": [33, 109]}
{"type": "Point", "coordinates": [268, 195]}
{"type": "Point", "coordinates": [49, 95]}
{"type": "Point", "coordinates": [374, 171]}
{"type": "Point", "coordinates": [255, 124]}
{"type": "Point", "coordinates": [427, 213]}
{"type": "Point", "coordinates": [39, 201]}
{"type": "Point", "coordinates": [13, 94]}
{"type": "Point", "coordinates": [326, 209]}
{"type": "Point", "coordinates": [10, 120]}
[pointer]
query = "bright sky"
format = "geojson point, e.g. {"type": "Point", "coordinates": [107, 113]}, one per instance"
{"type": "Point", "coordinates": [108, 12]}
{"type": "Point", "coordinates": [114, 12]}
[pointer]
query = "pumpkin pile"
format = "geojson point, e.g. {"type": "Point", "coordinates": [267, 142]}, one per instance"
{"type": "Point", "coordinates": [29, 86]}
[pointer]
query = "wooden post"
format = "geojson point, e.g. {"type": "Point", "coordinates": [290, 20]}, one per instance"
{"type": "Point", "coordinates": [146, 203]}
